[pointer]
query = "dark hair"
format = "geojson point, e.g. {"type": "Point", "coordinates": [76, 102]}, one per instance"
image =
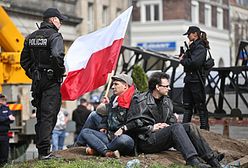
{"type": "Point", "coordinates": [203, 36]}
{"type": "Point", "coordinates": [46, 20]}
{"type": "Point", "coordinates": [83, 100]}
{"type": "Point", "coordinates": [155, 79]}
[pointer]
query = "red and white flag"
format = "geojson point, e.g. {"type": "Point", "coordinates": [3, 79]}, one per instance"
{"type": "Point", "coordinates": [91, 57]}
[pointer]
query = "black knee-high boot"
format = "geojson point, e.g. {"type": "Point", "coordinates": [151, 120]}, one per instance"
{"type": "Point", "coordinates": [187, 113]}
{"type": "Point", "coordinates": [203, 114]}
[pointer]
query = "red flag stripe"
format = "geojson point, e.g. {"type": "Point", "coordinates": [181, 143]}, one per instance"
{"type": "Point", "coordinates": [94, 75]}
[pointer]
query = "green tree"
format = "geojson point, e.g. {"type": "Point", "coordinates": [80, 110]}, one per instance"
{"type": "Point", "coordinates": [140, 78]}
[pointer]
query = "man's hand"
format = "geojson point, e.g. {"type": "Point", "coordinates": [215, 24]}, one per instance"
{"type": "Point", "coordinates": [181, 57]}
{"type": "Point", "coordinates": [119, 132]}
{"type": "Point", "coordinates": [105, 100]}
{"type": "Point", "coordinates": [159, 126]}
{"type": "Point", "coordinates": [104, 130]}
{"type": "Point", "coordinates": [177, 116]}
{"type": "Point", "coordinates": [11, 117]}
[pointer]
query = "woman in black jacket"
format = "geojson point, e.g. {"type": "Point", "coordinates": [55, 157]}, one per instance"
{"type": "Point", "coordinates": [194, 95]}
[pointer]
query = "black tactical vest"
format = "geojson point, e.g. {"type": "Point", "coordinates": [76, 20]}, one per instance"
{"type": "Point", "coordinates": [39, 44]}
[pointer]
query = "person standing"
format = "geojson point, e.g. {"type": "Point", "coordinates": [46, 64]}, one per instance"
{"type": "Point", "coordinates": [58, 136]}
{"type": "Point", "coordinates": [194, 95]}
{"type": "Point", "coordinates": [80, 115]}
{"type": "Point", "coordinates": [42, 58]}
{"type": "Point", "coordinates": [6, 118]}
{"type": "Point", "coordinates": [154, 126]}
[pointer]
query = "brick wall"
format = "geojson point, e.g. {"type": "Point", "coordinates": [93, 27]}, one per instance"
{"type": "Point", "coordinates": [176, 9]}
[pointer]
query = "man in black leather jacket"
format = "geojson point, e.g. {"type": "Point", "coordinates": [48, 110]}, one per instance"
{"type": "Point", "coordinates": [109, 139]}
{"type": "Point", "coordinates": [194, 96]}
{"type": "Point", "coordinates": [42, 59]}
{"type": "Point", "coordinates": [152, 123]}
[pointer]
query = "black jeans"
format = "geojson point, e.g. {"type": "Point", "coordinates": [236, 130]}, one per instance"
{"type": "Point", "coordinates": [184, 137]}
{"type": "Point", "coordinates": [47, 111]}
{"type": "Point", "coordinates": [4, 149]}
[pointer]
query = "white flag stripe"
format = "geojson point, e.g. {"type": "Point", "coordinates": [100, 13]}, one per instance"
{"type": "Point", "coordinates": [83, 47]}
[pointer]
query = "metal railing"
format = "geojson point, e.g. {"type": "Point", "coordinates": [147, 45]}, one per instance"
{"type": "Point", "coordinates": [228, 85]}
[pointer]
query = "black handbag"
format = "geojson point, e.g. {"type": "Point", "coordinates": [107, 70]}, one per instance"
{"type": "Point", "coordinates": [209, 63]}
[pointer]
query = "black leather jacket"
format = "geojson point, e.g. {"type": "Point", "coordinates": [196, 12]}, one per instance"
{"type": "Point", "coordinates": [193, 61]}
{"type": "Point", "coordinates": [143, 112]}
{"type": "Point", "coordinates": [4, 120]}
{"type": "Point", "coordinates": [43, 48]}
{"type": "Point", "coordinates": [116, 117]}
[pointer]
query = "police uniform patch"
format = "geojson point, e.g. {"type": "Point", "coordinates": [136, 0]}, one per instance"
{"type": "Point", "coordinates": [37, 42]}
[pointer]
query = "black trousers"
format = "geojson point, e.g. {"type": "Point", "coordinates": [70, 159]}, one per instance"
{"type": "Point", "coordinates": [185, 138]}
{"type": "Point", "coordinates": [4, 149]}
{"type": "Point", "coordinates": [49, 103]}
{"type": "Point", "coordinates": [194, 97]}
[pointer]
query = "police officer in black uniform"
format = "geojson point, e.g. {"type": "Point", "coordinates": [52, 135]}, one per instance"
{"type": "Point", "coordinates": [42, 58]}
{"type": "Point", "coordinates": [194, 95]}
{"type": "Point", "coordinates": [6, 118]}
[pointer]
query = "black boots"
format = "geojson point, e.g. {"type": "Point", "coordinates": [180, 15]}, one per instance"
{"type": "Point", "coordinates": [214, 162]}
{"type": "Point", "coordinates": [195, 162]}
{"type": "Point", "coordinates": [213, 159]}
{"type": "Point", "coordinates": [187, 115]}
{"type": "Point", "coordinates": [203, 114]}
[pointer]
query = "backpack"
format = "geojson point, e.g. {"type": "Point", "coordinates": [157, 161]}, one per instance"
{"type": "Point", "coordinates": [209, 63]}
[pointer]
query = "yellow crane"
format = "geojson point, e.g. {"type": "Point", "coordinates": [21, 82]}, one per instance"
{"type": "Point", "coordinates": [12, 76]}
{"type": "Point", "coordinates": [11, 44]}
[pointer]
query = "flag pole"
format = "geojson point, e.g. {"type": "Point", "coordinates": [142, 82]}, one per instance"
{"type": "Point", "coordinates": [109, 83]}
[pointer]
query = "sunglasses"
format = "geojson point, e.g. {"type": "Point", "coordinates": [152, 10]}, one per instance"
{"type": "Point", "coordinates": [165, 86]}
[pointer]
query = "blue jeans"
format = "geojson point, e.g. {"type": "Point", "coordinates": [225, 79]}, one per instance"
{"type": "Point", "coordinates": [92, 122]}
{"type": "Point", "coordinates": [101, 143]}
{"type": "Point", "coordinates": [58, 139]}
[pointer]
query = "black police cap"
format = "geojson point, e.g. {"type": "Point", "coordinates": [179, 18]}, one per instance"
{"type": "Point", "coordinates": [53, 12]}
{"type": "Point", "coordinates": [192, 29]}
{"type": "Point", "coordinates": [1, 95]}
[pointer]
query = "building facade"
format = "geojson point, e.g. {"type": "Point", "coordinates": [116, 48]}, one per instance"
{"type": "Point", "coordinates": [238, 26]}
{"type": "Point", "coordinates": [159, 24]}
{"type": "Point", "coordinates": [84, 16]}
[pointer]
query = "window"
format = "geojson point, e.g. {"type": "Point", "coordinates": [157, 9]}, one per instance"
{"type": "Point", "coordinates": [118, 11]}
{"type": "Point", "coordinates": [104, 15]}
{"type": "Point", "coordinates": [151, 11]}
{"type": "Point", "coordinates": [195, 12]}
{"type": "Point", "coordinates": [148, 12]}
{"type": "Point", "coordinates": [242, 2]}
{"type": "Point", "coordinates": [90, 17]}
{"type": "Point", "coordinates": [219, 18]}
{"type": "Point", "coordinates": [208, 16]}
{"type": "Point", "coordinates": [156, 12]}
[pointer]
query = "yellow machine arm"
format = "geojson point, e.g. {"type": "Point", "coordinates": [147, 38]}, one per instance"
{"type": "Point", "coordinates": [11, 43]}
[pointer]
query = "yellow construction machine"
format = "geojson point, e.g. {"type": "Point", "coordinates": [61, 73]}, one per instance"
{"type": "Point", "coordinates": [15, 85]}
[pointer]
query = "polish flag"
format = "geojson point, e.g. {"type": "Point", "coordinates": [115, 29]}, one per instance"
{"type": "Point", "coordinates": [91, 57]}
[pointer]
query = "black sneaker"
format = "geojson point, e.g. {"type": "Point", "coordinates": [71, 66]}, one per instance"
{"type": "Point", "coordinates": [48, 156]}
{"type": "Point", "coordinates": [195, 162]}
